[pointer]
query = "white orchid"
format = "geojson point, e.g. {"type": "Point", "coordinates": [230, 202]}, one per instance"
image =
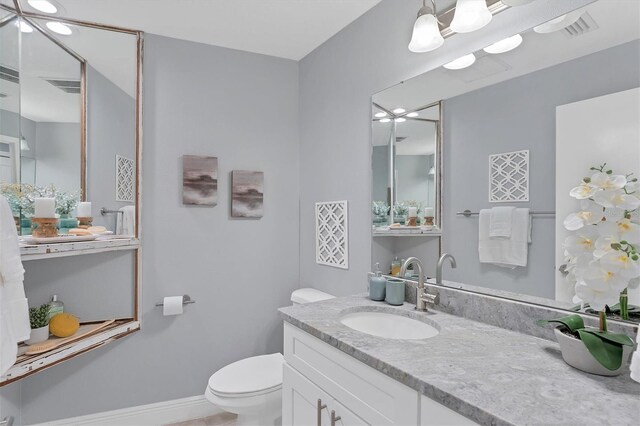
{"type": "Point", "coordinates": [621, 230]}
{"type": "Point", "coordinates": [604, 245]}
{"type": "Point", "coordinates": [616, 198]}
{"type": "Point", "coordinates": [584, 191]}
{"type": "Point", "coordinates": [604, 180]}
{"type": "Point", "coordinates": [596, 297]}
{"type": "Point", "coordinates": [590, 214]}
{"type": "Point", "coordinates": [622, 263]}
{"type": "Point", "coordinates": [584, 241]}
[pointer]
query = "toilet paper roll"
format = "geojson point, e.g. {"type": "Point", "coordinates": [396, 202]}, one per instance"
{"type": "Point", "coordinates": [172, 305]}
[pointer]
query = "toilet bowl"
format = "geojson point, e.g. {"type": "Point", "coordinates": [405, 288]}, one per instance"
{"type": "Point", "coordinates": [252, 387]}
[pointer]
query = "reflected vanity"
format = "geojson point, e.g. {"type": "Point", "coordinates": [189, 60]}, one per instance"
{"type": "Point", "coordinates": [543, 112]}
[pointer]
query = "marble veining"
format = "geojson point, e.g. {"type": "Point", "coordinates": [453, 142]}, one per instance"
{"type": "Point", "coordinates": [489, 374]}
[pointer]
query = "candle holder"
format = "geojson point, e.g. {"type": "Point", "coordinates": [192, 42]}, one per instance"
{"type": "Point", "coordinates": [428, 220]}
{"type": "Point", "coordinates": [44, 227]}
{"type": "Point", "coordinates": [84, 222]}
{"type": "Point", "coordinates": [413, 221]}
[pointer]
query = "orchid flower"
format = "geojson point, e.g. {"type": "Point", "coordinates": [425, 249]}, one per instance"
{"type": "Point", "coordinates": [606, 181]}
{"type": "Point", "coordinates": [583, 191]}
{"type": "Point", "coordinates": [626, 267]}
{"type": "Point", "coordinates": [616, 198]}
{"type": "Point", "coordinates": [590, 214]}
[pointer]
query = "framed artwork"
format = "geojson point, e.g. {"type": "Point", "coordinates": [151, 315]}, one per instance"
{"type": "Point", "coordinates": [247, 194]}
{"type": "Point", "coordinates": [199, 180]}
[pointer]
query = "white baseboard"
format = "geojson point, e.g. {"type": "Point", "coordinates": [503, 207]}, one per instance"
{"type": "Point", "coordinates": [160, 413]}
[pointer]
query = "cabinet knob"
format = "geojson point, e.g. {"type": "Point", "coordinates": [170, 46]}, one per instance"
{"type": "Point", "coordinates": [334, 418]}
{"type": "Point", "coordinates": [319, 407]}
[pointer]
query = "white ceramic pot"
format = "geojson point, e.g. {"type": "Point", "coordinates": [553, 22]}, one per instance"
{"type": "Point", "coordinates": [576, 354]}
{"type": "Point", "coordinates": [38, 335]}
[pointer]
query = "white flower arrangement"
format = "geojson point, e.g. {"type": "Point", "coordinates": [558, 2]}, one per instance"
{"type": "Point", "coordinates": [602, 253]}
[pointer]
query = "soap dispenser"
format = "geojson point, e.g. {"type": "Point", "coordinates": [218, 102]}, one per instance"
{"type": "Point", "coordinates": [377, 285]}
{"type": "Point", "coordinates": [55, 306]}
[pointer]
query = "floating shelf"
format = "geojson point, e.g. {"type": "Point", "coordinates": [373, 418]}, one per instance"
{"type": "Point", "coordinates": [48, 251]}
{"type": "Point", "coordinates": [30, 364]}
{"type": "Point", "coordinates": [407, 233]}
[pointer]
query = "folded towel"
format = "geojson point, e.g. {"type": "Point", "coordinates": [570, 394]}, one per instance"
{"type": "Point", "coordinates": [14, 309]}
{"type": "Point", "coordinates": [505, 252]}
{"type": "Point", "coordinates": [500, 223]}
{"type": "Point", "coordinates": [126, 221]}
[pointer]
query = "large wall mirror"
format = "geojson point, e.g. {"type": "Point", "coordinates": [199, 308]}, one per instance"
{"type": "Point", "coordinates": [523, 122]}
{"type": "Point", "coordinates": [69, 116]}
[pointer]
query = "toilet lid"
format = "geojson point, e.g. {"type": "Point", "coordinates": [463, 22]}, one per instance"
{"type": "Point", "coordinates": [249, 375]}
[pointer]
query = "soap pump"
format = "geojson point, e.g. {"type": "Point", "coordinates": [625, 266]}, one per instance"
{"type": "Point", "coordinates": [377, 285]}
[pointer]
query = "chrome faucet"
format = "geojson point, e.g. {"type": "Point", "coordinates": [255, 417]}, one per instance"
{"type": "Point", "coordinates": [422, 297]}
{"type": "Point", "coordinates": [444, 256]}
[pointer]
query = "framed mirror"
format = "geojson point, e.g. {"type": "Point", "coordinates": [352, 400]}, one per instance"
{"type": "Point", "coordinates": [70, 119]}
{"type": "Point", "coordinates": [523, 122]}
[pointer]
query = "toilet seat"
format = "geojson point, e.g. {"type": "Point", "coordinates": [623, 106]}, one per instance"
{"type": "Point", "coordinates": [259, 375]}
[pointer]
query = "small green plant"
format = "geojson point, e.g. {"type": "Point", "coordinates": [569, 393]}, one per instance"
{"type": "Point", "coordinates": [39, 317]}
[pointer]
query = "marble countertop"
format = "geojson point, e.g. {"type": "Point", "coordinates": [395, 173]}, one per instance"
{"type": "Point", "coordinates": [491, 375]}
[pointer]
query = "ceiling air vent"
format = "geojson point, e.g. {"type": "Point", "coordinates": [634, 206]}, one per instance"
{"type": "Point", "coordinates": [68, 86]}
{"type": "Point", "coordinates": [583, 25]}
{"type": "Point", "coordinates": [3, 95]}
{"type": "Point", "coordinates": [9, 74]}
{"type": "Point", "coordinates": [400, 138]}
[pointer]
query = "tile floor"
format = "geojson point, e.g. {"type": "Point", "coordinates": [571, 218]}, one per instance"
{"type": "Point", "coordinates": [222, 419]}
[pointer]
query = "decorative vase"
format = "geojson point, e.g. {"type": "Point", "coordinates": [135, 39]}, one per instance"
{"type": "Point", "coordinates": [38, 335]}
{"type": "Point", "coordinates": [25, 225]}
{"type": "Point", "coordinates": [66, 222]}
{"type": "Point", "coordinates": [399, 218]}
{"type": "Point", "coordinates": [576, 354]}
{"type": "Point", "coordinates": [380, 220]}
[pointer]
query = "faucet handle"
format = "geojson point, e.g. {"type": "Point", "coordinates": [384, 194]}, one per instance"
{"type": "Point", "coordinates": [431, 298]}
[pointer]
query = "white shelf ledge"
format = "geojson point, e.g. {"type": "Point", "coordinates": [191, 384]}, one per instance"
{"type": "Point", "coordinates": [30, 364]}
{"type": "Point", "coordinates": [48, 251]}
{"type": "Point", "coordinates": [407, 233]}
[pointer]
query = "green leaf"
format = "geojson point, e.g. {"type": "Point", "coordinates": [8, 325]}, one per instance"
{"type": "Point", "coordinates": [632, 309]}
{"type": "Point", "coordinates": [572, 322]}
{"type": "Point", "coordinates": [608, 354]}
{"type": "Point", "coordinates": [620, 339]}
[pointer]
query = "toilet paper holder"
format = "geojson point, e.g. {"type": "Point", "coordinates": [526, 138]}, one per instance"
{"type": "Point", "coordinates": [186, 300]}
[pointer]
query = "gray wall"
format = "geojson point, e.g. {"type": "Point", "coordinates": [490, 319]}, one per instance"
{"type": "Point", "coordinates": [243, 108]}
{"type": "Point", "coordinates": [58, 157]}
{"type": "Point", "coordinates": [380, 170]}
{"type": "Point", "coordinates": [412, 177]}
{"type": "Point", "coordinates": [337, 81]}
{"type": "Point", "coordinates": [111, 130]}
{"type": "Point", "coordinates": [525, 108]}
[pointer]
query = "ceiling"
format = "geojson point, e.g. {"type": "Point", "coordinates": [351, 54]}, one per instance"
{"type": "Point", "coordinates": [284, 28]}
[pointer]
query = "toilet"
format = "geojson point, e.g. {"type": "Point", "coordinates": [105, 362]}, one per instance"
{"type": "Point", "coordinates": [252, 387]}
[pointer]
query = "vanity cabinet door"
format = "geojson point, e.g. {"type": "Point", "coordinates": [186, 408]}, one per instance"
{"type": "Point", "coordinates": [300, 399]}
{"type": "Point", "coordinates": [435, 414]}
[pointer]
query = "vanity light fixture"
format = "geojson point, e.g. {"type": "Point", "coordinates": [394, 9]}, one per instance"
{"type": "Point", "coordinates": [470, 15]}
{"type": "Point", "coordinates": [559, 23]}
{"type": "Point", "coordinates": [460, 63]}
{"type": "Point", "coordinates": [426, 34]}
{"type": "Point", "coordinates": [59, 28]}
{"type": "Point", "coordinates": [412, 114]}
{"type": "Point", "coordinates": [400, 120]}
{"type": "Point", "coordinates": [505, 45]}
{"type": "Point", "coordinates": [380, 114]}
{"type": "Point", "coordinates": [385, 120]}
{"type": "Point", "coordinates": [43, 6]}
{"type": "Point", "coordinates": [399, 111]}
{"type": "Point", "coordinates": [24, 27]}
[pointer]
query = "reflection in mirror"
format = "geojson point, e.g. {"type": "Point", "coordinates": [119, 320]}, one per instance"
{"type": "Point", "coordinates": [570, 98]}
{"type": "Point", "coordinates": [9, 100]}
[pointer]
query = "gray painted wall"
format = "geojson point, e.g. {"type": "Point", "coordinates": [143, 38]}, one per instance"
{"type": "Point", "coordinates": [522, 115]}
{"type": "Point", "coordinates": [10, 126]}
{"type": "Point", "coordinates": [111, 130]}
{"type": "Point", "coordinates": [337, 81]}
{"type": "Point", "coordinates": [412, 177]}
{"type": "Point", "coordinates": [243, 108]}
{"type": "Point", "coordinates": [380, 170]}
{"type": "Point", "coordinates": [58, 157]}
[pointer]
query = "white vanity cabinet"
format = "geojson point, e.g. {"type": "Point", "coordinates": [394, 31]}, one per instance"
{"type": "Point", "coordinates": [320, 380]}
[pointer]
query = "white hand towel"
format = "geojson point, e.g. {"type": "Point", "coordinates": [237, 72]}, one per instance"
{"type": "Point", "coordinates": [126, 221]}
{"type": "Point", "coordinates": [635, 361]}
{"type": "Point", "coordinates": [505, 252]}
{"type": "Point", "coordinates": [14, 309]}
{"type": "Point", "coordinates": [501, 222]}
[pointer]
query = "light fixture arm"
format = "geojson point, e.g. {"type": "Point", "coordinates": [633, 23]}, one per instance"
{"type": "Point", "coordinates": [429, 10]}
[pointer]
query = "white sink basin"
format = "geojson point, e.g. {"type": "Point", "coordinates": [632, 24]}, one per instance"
{"type": "Point", "coordinates": [389, 326]}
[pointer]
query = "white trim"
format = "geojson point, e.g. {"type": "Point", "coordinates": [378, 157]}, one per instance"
{"type": "Point", "coordinates": [177, 410]}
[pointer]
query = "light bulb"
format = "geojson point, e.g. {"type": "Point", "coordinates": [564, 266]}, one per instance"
{"type": "Point", "coordinates": [460, 63]}
{"type": "Point", "coordinates": [43, 6]}
{"type": "Point", "coordinates": [426, 33]}
{"type": "Point", "coordinates": [59, 28]}
{"type": "Point", "coordinates": [380, 114]}
{"type": "Point", "coordinates": [385, 120]}
{"type": "Point", "coordinates": [412, 114]}
{"type": "Point", "coordinates": [505, 45]}
{"type": "Point", "coordinates": [470, 15]}
{"type": "Point", "coordinates": [399, 111]}
{"type": "Point", "coordinates": [24, 27]}
{"type": "Point", "coordinates": [400, 120]}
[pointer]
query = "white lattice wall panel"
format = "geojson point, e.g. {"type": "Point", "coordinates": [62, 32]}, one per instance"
{"type": "Point", "coordinates": [125, 179]}
{"type": "Point", "coordinates": [509, 177]}
{"type": "Point", "coordinates": [332, 234]}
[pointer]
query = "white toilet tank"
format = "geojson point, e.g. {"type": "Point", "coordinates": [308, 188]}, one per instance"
{"type": "Point", "coordinates": [309, 295]}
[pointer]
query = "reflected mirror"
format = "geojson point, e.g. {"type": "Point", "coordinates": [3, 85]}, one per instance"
{"type": "Point", "coordinates": [520, 129]}
{"type": "Point", "coordinates": [69, 114]}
